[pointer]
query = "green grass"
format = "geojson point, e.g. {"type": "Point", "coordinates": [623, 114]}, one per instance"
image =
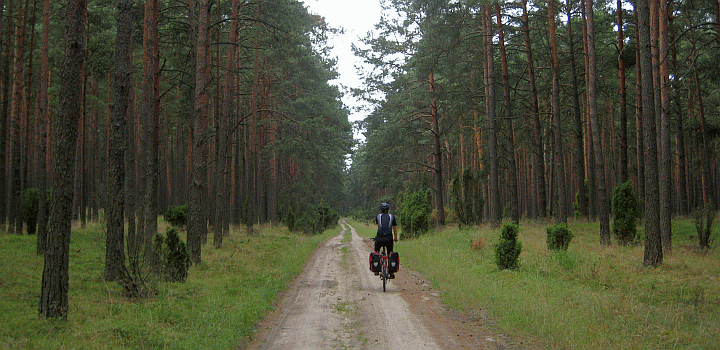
{"type": "Point", "coordinates": [217, 308]}
{"type": "Point", "coordinates": [588, 298]}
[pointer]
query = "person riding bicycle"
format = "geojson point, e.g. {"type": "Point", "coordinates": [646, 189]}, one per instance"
{"type": "Point", "coordinates": [387, 230]}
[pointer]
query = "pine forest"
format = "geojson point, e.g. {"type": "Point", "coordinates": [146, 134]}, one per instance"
{"type": "Point", "coordinates": [120, 111]}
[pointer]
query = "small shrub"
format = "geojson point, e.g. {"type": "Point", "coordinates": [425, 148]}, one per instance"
{"type": "Point", "coordinates": [703, 218]}
{"type": "Point", "coordinates": [507, 249]}
{"type": "Point", "coordinates": [177, 215]}
{"type": "Point", "coordinates": [175, 258]}
{"type": "Point", "coordinates": [625, 210]}
{"type": "Point", "coordinates": [558, 236]}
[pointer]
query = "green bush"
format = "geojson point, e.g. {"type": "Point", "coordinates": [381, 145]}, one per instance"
{"type": "Point", "coordinates": [625, 211]}
{"type": "Point", "coordinates": [558, 236]}
{"type": "Point", "coordinates": [174, 256]}
{"type": "Point", "coordinates": [30, 199]}
{"type": "Point", "coordinates": [415, 213]}
{"type": "Point", "coordinates": [177, 215]}
{"type": "Point", "coordinates": [507, 249]}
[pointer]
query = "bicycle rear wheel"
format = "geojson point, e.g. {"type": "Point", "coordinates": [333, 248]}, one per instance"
{"type": "Point", "coordinates": [384, 274]}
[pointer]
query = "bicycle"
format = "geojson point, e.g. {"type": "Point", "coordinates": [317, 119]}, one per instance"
{"type": "Point", "coordinates": [384, 269]}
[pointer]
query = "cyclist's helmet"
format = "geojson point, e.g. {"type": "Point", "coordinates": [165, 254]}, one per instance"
{"type": "Point", "coordinates": [384, 207]}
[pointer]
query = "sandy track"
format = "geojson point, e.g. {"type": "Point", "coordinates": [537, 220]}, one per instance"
{"type": "Point", "coordinates": [337, 303]}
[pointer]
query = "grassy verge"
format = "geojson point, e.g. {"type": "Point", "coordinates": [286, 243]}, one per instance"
{"type": "Point", "coordinates": [217, 308]}
{"type": "Point", "coordinates": [590, 297]}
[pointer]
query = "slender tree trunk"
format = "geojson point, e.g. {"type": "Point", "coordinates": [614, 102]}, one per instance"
{"type": "Point", "coordinates": [512, 173]}
{"type": "Point", "coordinates": [682, 195]}
{"type": "Point", "coordinates": [665, 173]}
{"type": "Point", "coordinates": [150, 127]}
{"type": "Point", "coordinates": [16, 120]}
{"type": "Point", "coordinates": [43, 118]}
{"type": "Point", "coordinates": [640, 132]}
{"type": "Point", "coordinates": [653, 242]}
{"type": "Point", "coordinates": [197, 223]}
{"type": "Point", "coordinates": [579, 159]}
{"type": "Point", "coordinates": [494, 190]}
{"type": "Point", "coordinates": [602, 197]}
{"type": "Point", "coordinates": [623, 97]}
{"type": "Point", "coordinates": [115, 239]}
{"type": "Point", "coordinates": [706, 179]}
{"type": "Point", "coordinates": [5, 64]}
{"type": "Point", "coordinates": [537, 142]}
{"type": "Point", "coordinates": [223, 153]}
{"type": "Point", "coordinates": [560, 210]}
{"type": "Point", "coordinates": [54, 291]}
{"type": "Point", "coordinates": [437, 155]}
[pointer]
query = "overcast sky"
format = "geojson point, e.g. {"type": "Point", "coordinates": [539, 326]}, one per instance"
{"type": "Point", "coordinates": [357, 17]}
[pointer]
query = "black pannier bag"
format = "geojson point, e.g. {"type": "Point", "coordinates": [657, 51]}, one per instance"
{"type": "Point", "coordinates": [394, 262]}
{"type": "Point", "coordinates": [375, 262]}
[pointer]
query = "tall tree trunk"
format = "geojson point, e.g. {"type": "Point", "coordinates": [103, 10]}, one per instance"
{"type": "Point", "coordinates": [560, 209]}
{"type": "Point", "coordinates": [537, 142]}
{"type": "Point", "coordinates": [665, 174]}
{"type": "Point", "coordinates": [43, 118]}
{"type": "Point", "coordinates": [639, 124]}
{"type": "Point", "coordinates": [437, 155]}
{"type": "Point", "coordinates": [653, 242]}
{"type": "Point", "coordinates": [54, 291]}
{"type": "Point", "coordinates": [5, 64]}
{"type": "Point", "coordinates": [579, 158]}
{"type": "Point", "coordinates": [197, 223]}
{"type": "Point", "coordinates": [150, 126]}
{"type": "Point", "coordinates": [602, 197]}
{"type": "Point", "coordinates": [706, 179]}
{"type": "Point", "coordinates": [115, 239]}
{"type": "Point", "coordinates": [16, 120]}
{"type": "Point", "coordinates": [682, 195]}
{"type": "Point", "coordinates": [223, 153]}
{"type": "Point", "coordinates": [494, 190]}
{"type": "Point", "coordinates": [513, 172]}
{"type": "Point", "coordinates": [623, 96]}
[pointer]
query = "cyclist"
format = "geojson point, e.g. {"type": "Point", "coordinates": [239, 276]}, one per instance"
{"type": "Point", "coordinates": [387, 230]}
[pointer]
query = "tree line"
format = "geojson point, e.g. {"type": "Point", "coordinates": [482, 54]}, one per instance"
{"type": "Point", "coordinates": [539, 109]}
{"type": "Point", "coordinates": [120, 110]}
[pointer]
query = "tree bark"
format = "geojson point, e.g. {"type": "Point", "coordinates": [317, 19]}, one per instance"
{"type": "Point", "coordinates": [494, 190]}
{"type": "Point", "coordinates": [54, 291]}
{"type": "Point", "coordinates": [115, 239]}
{"type": "Point", "coordinates": [623, 96]}
{"type": "Point", "coordinates": [560, 208]}
{"type": "Point", "coordinates": [43, 118]}
{"type": "Point", "coordinates": [653, 255]}
{"type": "Point", "coordinates": [513, 172]}
{"type": "Point", "coordinates": [150, 127]}
{"type": "Point", "coordinates": [537, 142]}
{"type": "Point", "coordinates": [665, 175]}
{"type": "Point", "coordinates": [579, 160]}
{"type": "Point", "coordinates": [602, 197]}
{"type": "Point", "coordinates": [197, 223]}
{"type": "Point", "coordinates": [437, 155]}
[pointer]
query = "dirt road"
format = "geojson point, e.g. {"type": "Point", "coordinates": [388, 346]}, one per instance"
{"type": "Point", "coordinates": [336, 303]}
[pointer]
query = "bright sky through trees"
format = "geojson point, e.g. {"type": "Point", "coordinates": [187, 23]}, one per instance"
{"type": "Point", "coordinates": [357, 18]}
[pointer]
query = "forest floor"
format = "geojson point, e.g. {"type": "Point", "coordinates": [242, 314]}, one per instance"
{"type": "Point", "coordinates": [337, 303]}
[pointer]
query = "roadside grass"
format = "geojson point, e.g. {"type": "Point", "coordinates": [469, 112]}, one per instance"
{"type": "Point", "coordinates": [216, 308]}
{"type": "Point", "coordinates": [589, 297]}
